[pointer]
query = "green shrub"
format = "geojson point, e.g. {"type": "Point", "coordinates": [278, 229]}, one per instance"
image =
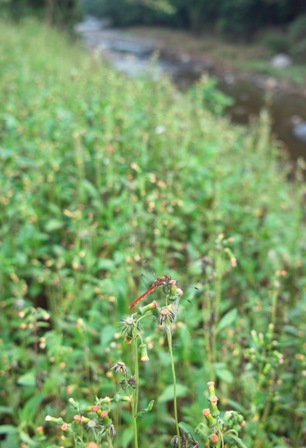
{"type": "Point", "coordinates": [277, 43]}
{"type": "Point", "coordinates": [297, 34]}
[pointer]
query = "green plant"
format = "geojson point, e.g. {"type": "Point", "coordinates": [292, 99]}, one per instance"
{"type": "Point", "coordinates": [277, 42]}
{"type": "Point", "coordinates": [93, 422]}
{"type": "Point", "coordinates": [95, 179]}
{"type": "Point", "coordinates": [297, 36]}
{"type": "Point", "coordinates": [222, 430]}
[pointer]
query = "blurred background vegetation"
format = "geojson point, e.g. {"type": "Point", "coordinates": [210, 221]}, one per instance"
{"type": "Point", "coordinates": [235, 17]}
{"type": "Point", "coordinates": [285, 20]}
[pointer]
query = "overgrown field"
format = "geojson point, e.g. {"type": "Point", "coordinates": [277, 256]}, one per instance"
{"type": "Point", "coordinates": [98, 174]}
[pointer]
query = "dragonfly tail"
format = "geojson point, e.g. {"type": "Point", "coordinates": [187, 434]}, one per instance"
{"type": "Point", "coordinates": [145, 294]}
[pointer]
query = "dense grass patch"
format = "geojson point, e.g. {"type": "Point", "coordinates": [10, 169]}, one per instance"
{"type": "Point", "coordinates": [100, 172]}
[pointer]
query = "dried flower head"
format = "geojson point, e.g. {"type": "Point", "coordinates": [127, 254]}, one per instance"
{"type": "Point", "coordinates": [92, 424]}
{"type": "Point", "coordinates": [166, 314]}
{"type": "Point", "coordinates": [119, 367]}
{"type": "Point", "coordinates": [128, 382]}
{"type": "Point", "coordinates": [127, 327]}
{"type": "Point", "coordinates": [111, 430]}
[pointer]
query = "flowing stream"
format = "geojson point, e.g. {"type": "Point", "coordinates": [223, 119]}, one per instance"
{"type": "Point", "coordinates": [249, 92]}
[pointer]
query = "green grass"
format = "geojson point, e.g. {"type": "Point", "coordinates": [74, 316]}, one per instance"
{"type": "Point", "coordinates": [99, 172]}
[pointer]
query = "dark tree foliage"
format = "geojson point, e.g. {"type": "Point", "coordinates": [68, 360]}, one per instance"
{"type": "Point", "coordinates": [128, 12]}
{"type": "Point", "coordinates": [62, 12]}
{"type": "Point", "coordinates": [235, 17]}
{"type": "Point", "coordinates": [59, 12]}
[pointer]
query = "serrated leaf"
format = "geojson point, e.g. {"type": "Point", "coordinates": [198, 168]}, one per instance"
{"type": "Point", "coordinates": [167, 394]}
{"type": "Point", "coordinates": [227, 320]}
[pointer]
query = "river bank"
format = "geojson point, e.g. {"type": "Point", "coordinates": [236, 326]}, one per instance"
{"type": "Point", "coordinates": [186, 58]}
{"type": "Point", "coordinates": [251, 59]}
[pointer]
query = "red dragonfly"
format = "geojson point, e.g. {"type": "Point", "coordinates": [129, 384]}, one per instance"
{"type": "Point", "coordinates": [164, 281]}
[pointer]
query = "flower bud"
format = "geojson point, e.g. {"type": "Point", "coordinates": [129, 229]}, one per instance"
{"type": "Point", "coordinates": [93, 408]}
{"type": "Point", "coordinates": [209, 418]}
{"type": "Point", "coordinates": [143, 353]}
{"type": "Point", "coordinates": [214, 408]}
{"type": "Point", "coordinates": [106, 420]}
{"type": "Point", "coordinates": [211, 387]}
{"type": "Point", "coordinates": [214, 439]}
{"type": "Point", "coordinates": [58, 421]}
{"type": "Point", "coordinates": [151, 306]}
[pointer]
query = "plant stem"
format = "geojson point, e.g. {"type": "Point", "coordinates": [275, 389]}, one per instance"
{"type": "Point", "coordinates": [136, 390]}
{"type": "Point", "coordinates": [274, 307]}
{"type": "Point", "coordinates": [216, 312]}
{"type": "Point", "coordinates": [109, 441]}
{"type": "Point", "coordinates": [169, 336]}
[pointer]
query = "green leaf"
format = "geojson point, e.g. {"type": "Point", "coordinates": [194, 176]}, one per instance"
{"type": "Point", "coordinates": [6, 410]}
{"type": "Point", "coordinates": [188, 429]}
{"type": "Point", "coordinates": [8, 429]}
{"type": "Point", "coordinates": [147, 409]}
{"type": "Point", "coordinates": [235, 405]}
{"type": "Point", "coordinates": [27, 439]}
{"type": "Point", "coordinates": [11, 441]}
{"type": "Point", "coordinates": [237, 440]}
{"type": "Point", "coordinates": [53, 224]}
{"type": "Point", "coordinates": [225, 375]}
{"type": "Point", "coordinates": [90, 188]}
{"type": "Point", "coordinates": [167, 394]}
{"type": "Point", "coordinates": [227, 320]}
{"type": "Point", "coordinates": [106, 335]}
{"type": "Point", "coordinates": [106, 264]}
{"type": "Point", "coordinates": [31, 407]}
{"type": "Point", "coordinates": [126, 437]}
{"type": "Point", "coordinates": [28, 379]}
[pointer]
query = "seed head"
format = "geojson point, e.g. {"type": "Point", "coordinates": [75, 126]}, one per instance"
{"type": "Point", "coordinates": [166, 314]}
{"type": "Point", "coordinates": [119, 367]}
{"type": "Point", "coordinates": [112, 431]}
{"type": "Point", "coordinates": [91, 424]}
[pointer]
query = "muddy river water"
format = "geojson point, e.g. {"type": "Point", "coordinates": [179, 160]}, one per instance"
{"type": "Point", "coordinates": [249, 92]}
